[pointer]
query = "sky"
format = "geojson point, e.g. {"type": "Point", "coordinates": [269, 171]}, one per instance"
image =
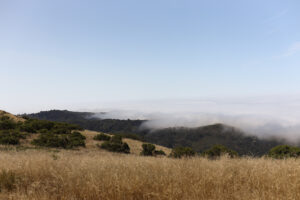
{"type": "Point", "coordinates": [93, 54]}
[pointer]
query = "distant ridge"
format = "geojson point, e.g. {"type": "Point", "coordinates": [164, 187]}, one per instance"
{"type": "Point", "coordinates": [200, 138]}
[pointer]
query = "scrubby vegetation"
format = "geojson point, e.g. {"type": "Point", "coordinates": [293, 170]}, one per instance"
{"type": "Point", "coordinates": [219, 150]}
{"type": "Point", "coordinates": [35, 126]}
{"type": "Point", "coordinates": [51, 134]}
{"type": "Point", "coordinates": [66, 141]}
{"type": "Point", "coordinates": [149, 150]}
{"type": "Point", "coordinates": [284, 151]}
{"type": "Point", "coordinates": [102, 137]}
{"type": "Point", "coordinates": [7, 124]}
{"type": "Point", "coordinates": [11, 137]}
{"type": "Point", "coordinates": [180, 152]}
{"type": "Point", "coordinates": [115, 144]}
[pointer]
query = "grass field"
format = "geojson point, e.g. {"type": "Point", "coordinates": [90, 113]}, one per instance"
{"type": "Point", "coordinates": [44, 174]}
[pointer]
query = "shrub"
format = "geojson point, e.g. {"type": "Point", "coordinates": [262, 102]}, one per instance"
{"type": "Point", "coordinates": [219, 150]}
{"type": "Point", "coordinates": [159, 152]}
{"type": "Point", "coordinates": [77, 139]}
{"type": "Point", "coordinates": [116, 139]}
{"type": "Point", "coordinates": [284, 151]}
{"type": "Point", "coordinates": [116, 147]}
{"type": "Point", "coordinates": [43, 126]}
{"type": "Point", "coordinates": [7, 124]}
{"type": "Point", "coordinates": [74, 139]}
{"type": "Point", "coordinates": [131, 136]}
{"type": "Point", "coordinates": [51, 140]}
{"type": "Point", "coordinates": [115, 144]}
{"type": "Point", "coordinates": [26, 127]}
{"type": "Point", "coordinates": [10, 138]}
{"type": "Point", "coordinates": [61, 130]}
{"type": "Point", "coordinates": [148, 149]}
{"type": "Point", "coordinates": [102, 137]}
{"type": "Point", "coordinates": [179, 152]}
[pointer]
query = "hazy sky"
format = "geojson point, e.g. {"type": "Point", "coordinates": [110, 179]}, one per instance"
{"type": "Point", "coordinates": [72, 54]}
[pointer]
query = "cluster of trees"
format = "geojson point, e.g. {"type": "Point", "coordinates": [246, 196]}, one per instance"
{"type": "Point", "coordinates": [278, 152]}
{"type": "Point", "coordinates": [51, 134]}
{"type": "Point", "coordinates": [150, 150]}
{"type": "Point", "coordinates": [284, 151]}
{"type": "Point", "coordinates": [114, 144]}
{"type": "Point", "coordinates": [88, 121]}
{"type": "Point", "coordinates": [67, 141]}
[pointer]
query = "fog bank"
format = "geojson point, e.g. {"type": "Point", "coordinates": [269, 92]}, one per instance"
{"type": "Point", "coordinates": [262, 116]}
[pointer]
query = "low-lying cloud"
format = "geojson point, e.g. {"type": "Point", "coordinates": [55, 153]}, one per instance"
{"type": "Point", "coordinates": [262, 116]}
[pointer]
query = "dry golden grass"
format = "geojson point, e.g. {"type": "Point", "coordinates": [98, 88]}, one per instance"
{"type": "Point", "coordinates": [135, 145]}
{"type": "Point", "coordinates": [68, 175]}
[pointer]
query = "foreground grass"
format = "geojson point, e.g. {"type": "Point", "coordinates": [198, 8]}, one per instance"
{"type": "Point", "coordinates": [40, 174]}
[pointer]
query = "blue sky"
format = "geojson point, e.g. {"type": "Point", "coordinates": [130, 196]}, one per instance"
{"type": "Point", "coordinates": [72, 54]}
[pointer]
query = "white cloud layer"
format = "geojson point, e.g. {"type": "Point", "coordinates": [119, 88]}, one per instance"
{"type": "Point", "coordinates": [261, 116]}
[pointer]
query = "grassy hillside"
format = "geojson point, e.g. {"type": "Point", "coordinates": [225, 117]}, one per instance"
{"type": "Point", "coordinates": [199, 139]}
{"type": "Point", "coordinates": [135, 145]}
{"type": "Point", "coordinates": [38, 174]}
{"type": "Point", "coordinates": [34, 133]}
{"type": "Point", "coordinates": [11, 116]}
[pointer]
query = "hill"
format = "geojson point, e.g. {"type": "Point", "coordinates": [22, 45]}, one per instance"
{"type": "Point", "coordinates": [203, 138]}
{"type": "Point", "coordinates": [11, 116]}
{"type": "Point", "coordinates": [19, 132]}
{"type": "Point", "coordinates": [88, 172]}
{"type": "Point", "coordinates": [199, 139]}
{"type": "Point", "coordinates": [88, 121]}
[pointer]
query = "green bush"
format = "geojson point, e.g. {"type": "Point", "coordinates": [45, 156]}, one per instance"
{"type": "Point", "coordinates": [51, 140]}
{"type": "Point", "coordinates": [116, 139]}
{"type": "Point", "coordinates": [116, 147]}
{"type": "Point", "coordinates": [74, 139]}
{"type": "Point", "coordinates": [77, 139]}
{"type": "Point", "coordinates": [148, 149]}
{"type": "Point", "coordinates": [179, 152]}
{"type": "Point", "coordinates": [7, 124]}
{"type": "Point", "coordinates": [131, 136]}
{"type": "Point", "coordinates": [43, 126]}
{"type": "Point", "coordinates": [284, 151]}
{"type": "Point", "coordinates": [102, 137]}
{"type": "Point", "coordinates": [159, 153]}
{"type": "Point", "coordinates": [115, 144]}
{"type": "Point", "coordinates": [219, 150]}
{"type": "Point", "coordinates": [61, 130]}
{"type": "Point", "coordinates": [11, 137]}
{"type": "Point", "coordinates": [26, 127]}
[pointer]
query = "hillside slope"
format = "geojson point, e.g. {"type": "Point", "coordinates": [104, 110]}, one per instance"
{"type": "Point", "coordinates": [199, 139]}
{"type": "Point", "coordinates": [18, 132]}
{"type": "Point", "coordinates": [11, 116]}
{"type": "Point", "coordinates": [203, 138]}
